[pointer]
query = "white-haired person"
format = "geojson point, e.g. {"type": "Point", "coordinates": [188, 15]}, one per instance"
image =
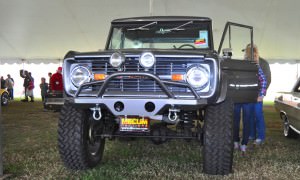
{"type": "Point", "coordinates": [257, 121]}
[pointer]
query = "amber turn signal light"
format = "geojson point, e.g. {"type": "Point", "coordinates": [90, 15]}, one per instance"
{"type": "Point", "coordinates": [99, 76]}
{"type": "Point", "coordinates": [177, 77]}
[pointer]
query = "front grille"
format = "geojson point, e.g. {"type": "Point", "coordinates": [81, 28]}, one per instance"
{"type": "Point", "coordinates": [163, 68]}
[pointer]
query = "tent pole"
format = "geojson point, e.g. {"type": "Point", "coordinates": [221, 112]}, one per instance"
{"type": "Point", "coordinates": [151, 7]}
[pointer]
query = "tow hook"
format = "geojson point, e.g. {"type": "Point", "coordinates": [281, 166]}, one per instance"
{"type": "Point", "coordinates": [173, 114]}
{"type": "Point", "coordinates": [96, 112]}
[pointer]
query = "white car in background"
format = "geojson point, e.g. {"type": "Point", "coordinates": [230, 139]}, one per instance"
{"type": "Point", "coordinates": [288, 106]}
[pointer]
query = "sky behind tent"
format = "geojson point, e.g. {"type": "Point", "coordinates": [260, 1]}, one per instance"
{"type": "Point", "coordinates": [48, 29]}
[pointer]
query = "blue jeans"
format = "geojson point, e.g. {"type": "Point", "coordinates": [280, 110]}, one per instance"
{"type": "Point", "coordinates": [260, 121]}
{"type": "Point", "coordinates": [246, 122]}
{"type": "Point", "coordinates": [252, 134]}
{"type": "Point", "coordinates": [11, 93]}
{"type": "Point", "coordinates": [257, 122]}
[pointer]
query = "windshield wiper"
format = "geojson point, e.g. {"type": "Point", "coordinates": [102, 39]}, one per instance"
{"type": "Point", "coordinates": [164, 31]}
{"type": "Point", "coordinates": [142, 27]}
{"type": "Point", "coordinates": [178, 27]}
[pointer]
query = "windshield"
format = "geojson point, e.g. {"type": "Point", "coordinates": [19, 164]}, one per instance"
{"type": "Point", "coordinates": [161, 35]}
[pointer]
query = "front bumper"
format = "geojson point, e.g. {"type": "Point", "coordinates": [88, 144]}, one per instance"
{"type": "Point", "coordinates": [54, 101]}
{"type": "Point", "coordinates": [138, 107]}
{"type": "Point", "coordinates": [137, 103]}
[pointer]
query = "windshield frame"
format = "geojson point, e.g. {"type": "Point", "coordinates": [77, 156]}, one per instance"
{"type": "Point", "coordinates": [175, 28]}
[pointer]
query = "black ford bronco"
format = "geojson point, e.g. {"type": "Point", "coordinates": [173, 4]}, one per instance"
{"type": "Point", "coordinates": [158, 78]}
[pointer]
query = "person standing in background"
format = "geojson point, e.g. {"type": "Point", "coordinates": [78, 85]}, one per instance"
{"type": "Point", "coordinates": [56, 83]}
{"type": "Point", "coordinates": [2, 83]}
{"type": "Point", "coordinates": [44, 89]}
{"type": "Point", "coordinates": [9, 82]}
{"type": "Point", "coordinates": [30, 87]}
{"type": "Point", "coordinates": [49, 75]}
{"type": "Point", "coordinates": [257, 122]}
{"type": "Point", "coordinates": [24, 75]}
{"type": "Point", "coordinates": [259, 113]}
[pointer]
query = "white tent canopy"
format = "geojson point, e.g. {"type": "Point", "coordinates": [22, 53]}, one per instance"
{"type": "Point", "coordinates": [33, 29]}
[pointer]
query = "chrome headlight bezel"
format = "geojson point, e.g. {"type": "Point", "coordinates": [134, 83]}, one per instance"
{"type": "Point", "coordinates": [198, 77]}
{"type": "Point", "coordinates": [80, 75]}
{"type": "Point", "coordinates": [116, 59]}
{"type": "Point", "coordinates": [147, 60]}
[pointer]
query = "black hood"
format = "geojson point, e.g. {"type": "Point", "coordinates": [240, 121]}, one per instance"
{"type": "Point", "coordinates": [126, 52]}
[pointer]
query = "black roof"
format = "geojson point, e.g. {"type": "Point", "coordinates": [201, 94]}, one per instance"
{"type": "Point", "coordinates": [161, 18]}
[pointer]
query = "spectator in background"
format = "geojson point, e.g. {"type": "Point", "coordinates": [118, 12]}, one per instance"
{"type": "Point", "coordinates": [2, 83]}
{"type": "Point", "coordinates": [24, 75]}
{"type": "Point", "coordinates": [9, 82]}
{"type": "Point", "coordinates": [262, 62]}
{"type": "Point", "coordinates": [49, 75]}
{"type": "Point", "coordinates": [56, 83]}
{"type": "Point", "coordinates": [28, 85]}
{"type": "Point", "coordinates": [44, 89]}
{"type": "Point", "coordinates": [257, 122]}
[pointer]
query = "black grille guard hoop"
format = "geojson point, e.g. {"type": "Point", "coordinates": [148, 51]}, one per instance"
{"type": "Point", "coordinates": [161, 83]}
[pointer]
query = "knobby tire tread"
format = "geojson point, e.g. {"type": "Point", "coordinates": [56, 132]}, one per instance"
{"type": "Point", "coordinates": [71, 139]}
{"type": "Point", "coordinates": [218, 139]}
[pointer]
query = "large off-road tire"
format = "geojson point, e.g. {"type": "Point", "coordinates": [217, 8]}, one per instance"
{"type": "Point", "coordinates": [79, 148]}
{"type": "Point", "coordinates": [287, 130]}
{"type": "Point", "coordinates": [4, 99]}
{"type": "Point", "coordinates": [218, 139]}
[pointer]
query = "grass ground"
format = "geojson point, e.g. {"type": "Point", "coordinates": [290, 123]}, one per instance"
{"type": "Point", "coordinates": [30, 152]}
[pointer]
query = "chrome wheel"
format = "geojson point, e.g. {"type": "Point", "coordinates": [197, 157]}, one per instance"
{"type": "Point", "coordinates": [286, 127]}
{"type": "Point", "coordinates": [287, 130]}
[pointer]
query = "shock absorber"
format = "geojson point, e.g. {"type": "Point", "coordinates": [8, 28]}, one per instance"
{"type": "Point", "coordinates": [188, 123]}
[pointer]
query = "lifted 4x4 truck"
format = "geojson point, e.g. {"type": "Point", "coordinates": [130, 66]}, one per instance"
{"type": "Point", "coordinates": [158, 78]}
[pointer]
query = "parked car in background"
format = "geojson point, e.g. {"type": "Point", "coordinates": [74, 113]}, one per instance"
{"type": "Point", "coordinates": [4, 97]}
{"type": "Point", "coordinates": [288, 106]}
{"type": "Point", "coordinates": [54, 101]}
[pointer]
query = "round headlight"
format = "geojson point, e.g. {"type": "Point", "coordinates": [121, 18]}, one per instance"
{"type": "Point", "coordinates": [116, 60]}
{"type": "Point", "coordinates": [147, 60]}
{"type": "Point", "coordinates": [198, 77]}
{"type": "Point", "coordinates": [80, 75]}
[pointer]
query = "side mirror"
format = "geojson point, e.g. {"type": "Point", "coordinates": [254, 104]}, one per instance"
{"type": "Point", "coordinates": [227, 53]}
